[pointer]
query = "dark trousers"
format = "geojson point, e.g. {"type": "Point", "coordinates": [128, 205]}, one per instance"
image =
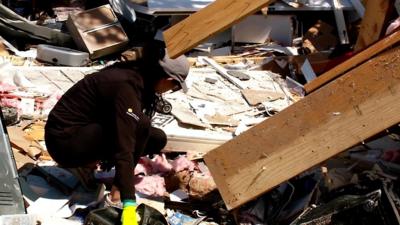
{"type": "Point", "coordinates": [80, 146]}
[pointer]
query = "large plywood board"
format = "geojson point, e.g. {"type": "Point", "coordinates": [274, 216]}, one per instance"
{"type": "Point", "coordinates": [345, 112]}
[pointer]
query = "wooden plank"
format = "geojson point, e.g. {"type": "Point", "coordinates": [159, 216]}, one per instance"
{"type": "Point", "coordinates": [18, 140]}
{"type": "Point", "coordinates": [372, 25]}
{"type": "Point", "coordinates": [341, 114]}
{"type": "Point", "coordinates": [21, 159]}
{"type": "Point", "coordinates": [359, 58]}
{"type": "Point", "coordinates": [231, 59]}
{"type": "Point", "coordinates": [212, 19]}
{"type": "Point", "coordinates": [223, 72]}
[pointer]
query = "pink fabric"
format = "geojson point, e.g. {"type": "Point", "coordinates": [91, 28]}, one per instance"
{"type": "Point", "coordinates": [161, 164]}
{"type": "Point", "coordinates": [143, 166]}
{"type": "Point", "coordinates": [147, 166]}
{"type": "Point", "coordinates": [182, 163]}
{"type": "Point", "coordinates": [153, 184]}
{"type": "Point", "coordinates": [150, 185]}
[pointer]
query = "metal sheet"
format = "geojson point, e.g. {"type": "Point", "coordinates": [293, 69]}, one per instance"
{"type": "Point", "coordinates": [11, 201]}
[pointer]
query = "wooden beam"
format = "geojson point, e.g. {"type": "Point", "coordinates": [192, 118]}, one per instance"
{"type": "Point", "coordinates": [372, 25]}
{"type": "Point", "coordinates": [18, 141]}
{"type": "Point", "coordinates": [212, 19]}
{"type": "Point", "coordinates": [341, 114]}
{"type": "Point", "coordinates": [359, 58]}
{"type": "Point", "coordinates": [232, 59]}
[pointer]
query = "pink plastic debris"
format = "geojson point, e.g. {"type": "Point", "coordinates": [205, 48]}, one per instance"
{"type": "Point", "coordinates": [147, 166]}
{"type": "Point", "coordinates": [143, 166]}
{"type": "Point", "coordinates": [161, 164]}
{"type": "Point", "coordinates": [150, 185]}
{"type": "Point", "coordinates": [182, 163]}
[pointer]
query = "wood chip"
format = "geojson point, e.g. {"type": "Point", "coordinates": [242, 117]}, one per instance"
{"type": "Point", "coordinates": [35, 131]}
{"type": "Point", "coordinates": [18, 141]}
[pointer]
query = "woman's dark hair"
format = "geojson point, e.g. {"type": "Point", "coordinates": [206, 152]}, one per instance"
{"type": "Point", "coordinates": [148, 66]}
{"type": "Point", "coordinates": [152, 53]}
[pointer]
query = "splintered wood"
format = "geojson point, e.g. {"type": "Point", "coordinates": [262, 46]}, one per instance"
{"type": "Point", "coordinates": [345, 112]}
{"type": "Point", "coordinates": [212, 19]}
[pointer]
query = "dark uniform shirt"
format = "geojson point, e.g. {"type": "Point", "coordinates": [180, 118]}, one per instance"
{"type": "Point", "coordinates": [112, 98]}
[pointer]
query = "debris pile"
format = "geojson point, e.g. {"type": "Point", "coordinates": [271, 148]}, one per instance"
{"type": "Point", "coordinates": [289, 116]}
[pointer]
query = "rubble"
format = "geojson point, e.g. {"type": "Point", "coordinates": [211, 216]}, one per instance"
{"type": "Point", "coordinates": [289, 117]}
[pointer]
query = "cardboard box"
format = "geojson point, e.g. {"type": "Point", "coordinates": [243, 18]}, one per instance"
{"type": "Point", "coordinates": [97, 31]}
